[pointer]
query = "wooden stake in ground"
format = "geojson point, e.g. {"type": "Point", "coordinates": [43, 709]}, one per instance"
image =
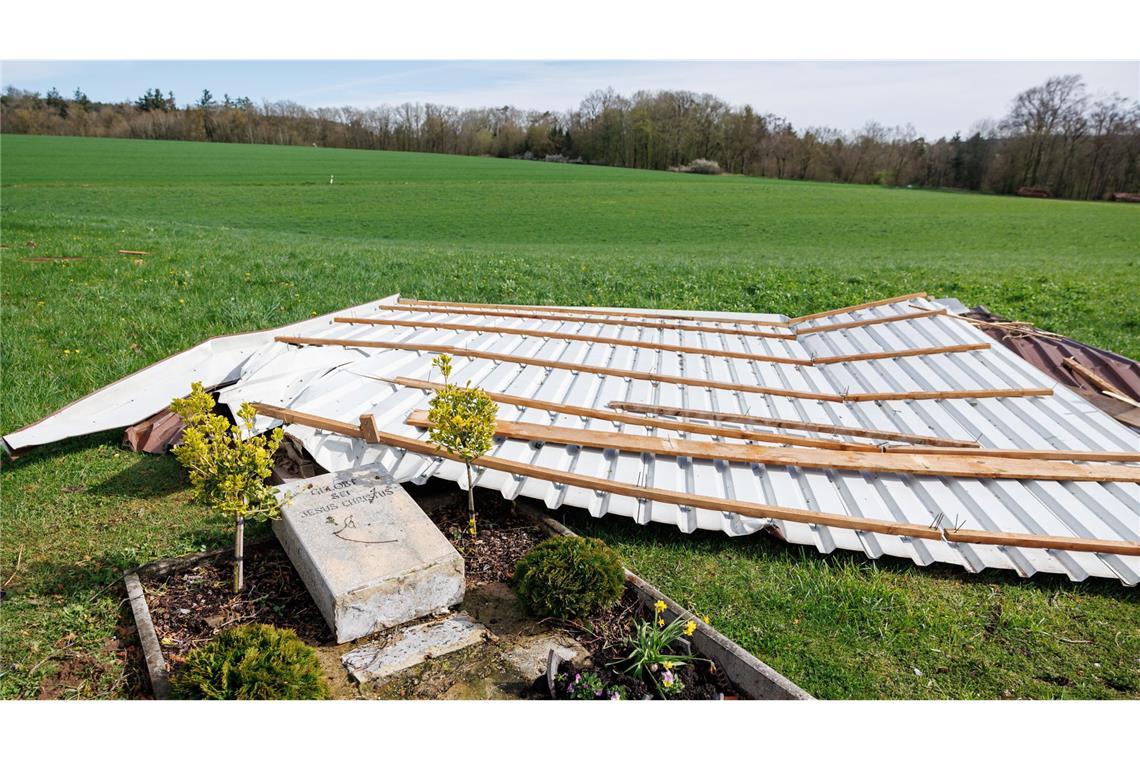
{"type": "Point", "coordinates": [239, 553]}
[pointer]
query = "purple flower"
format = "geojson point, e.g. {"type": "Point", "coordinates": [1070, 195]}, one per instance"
{"type": "Point", "coordinates": [668, 678]}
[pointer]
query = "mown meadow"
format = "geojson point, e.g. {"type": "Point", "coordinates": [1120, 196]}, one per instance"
{"type": "Point", "coordinates": [247, 237]}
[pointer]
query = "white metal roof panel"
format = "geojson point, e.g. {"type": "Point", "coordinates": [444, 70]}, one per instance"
{"type": "Point", "coordinates": [345, 382]}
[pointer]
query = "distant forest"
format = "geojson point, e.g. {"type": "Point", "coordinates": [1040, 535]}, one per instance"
{"type": "Point", "coordinates": [1055, 141]}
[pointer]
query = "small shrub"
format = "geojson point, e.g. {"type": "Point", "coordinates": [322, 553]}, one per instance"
{"type": "Point", "coordinates": [699, 166]}
{"type": "Point", "coordinates": [704, 166]}
{"type": "Point", "coordinates": [252, 662]}
{"type": "Point", "coordinates": [568, 576]}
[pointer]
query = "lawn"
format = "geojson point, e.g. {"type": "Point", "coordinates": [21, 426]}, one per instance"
{"type": "Point", "coordinates": [246, 237]}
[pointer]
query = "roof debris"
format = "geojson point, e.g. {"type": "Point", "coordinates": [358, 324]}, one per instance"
{"type": "Point", "coordinates": [892, 428]}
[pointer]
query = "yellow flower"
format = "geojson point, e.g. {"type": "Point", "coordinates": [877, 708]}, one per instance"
{"type": "Point", "coordinates": [706, 619]}
{"type": "Point", "coordinates": [668, 664]}
{"type": "Point", "coordinates": [659, 606]}
{"type": "Point", "coordinates": [661, 622]}
{"type": "Point", "coordinates": [182, 300]}
{"type": "Point", "coordinates": [690, 627]}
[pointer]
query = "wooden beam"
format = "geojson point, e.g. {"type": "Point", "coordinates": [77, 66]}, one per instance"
{"type": "Point", "coordinates": [974, 465]}
{"type": "Point", "coordinates": [856, 307]}
{"type": "Point", "coordinates": [603, 312]}
{"type": "Point", "coordinates": [732, 506]}
{"type": "Point", "coordinates": [1060, 455]}
{"type": "Point", "coordinates": [645, 422]}
{"type": "Point", "coordinates": [572, 317]}
{"type": "Point", "coordinates": [311, 420]}
{"type": "Point", "coordinates": [552, 335]}
{"type": "Point", "coordinates": [436, 348]}
{"type": "Point", "coordinates": [1096, 380]}
{"type": "Point", "coordinates": [949, 446]}
{"type": "Point", "coordinates": [926, 351]}
{"type": "Point", "coordinates": [868, 322]}
{"type": "Point", "coordinates": [776, 422]}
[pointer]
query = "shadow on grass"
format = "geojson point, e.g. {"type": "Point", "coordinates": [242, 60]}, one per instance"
{"type": "Point", "coordinates": [40, 454]}
{"type": "Point", "coordinates": [78, 581]}
{"type": "Point", "coordinates": [149, 478]}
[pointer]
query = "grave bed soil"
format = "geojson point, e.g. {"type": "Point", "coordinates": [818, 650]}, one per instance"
{"type": "Point", "coordinates": [192, 602]}
{"type": "Point", "coordinates": [603, 635]}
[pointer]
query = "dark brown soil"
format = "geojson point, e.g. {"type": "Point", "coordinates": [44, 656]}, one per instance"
{"type": "Point", "coordinates": [192, 605]}
{"type": "Point", "coordinates": [502, 535]}
{"type": "Point", "coordinates": [603, 635]}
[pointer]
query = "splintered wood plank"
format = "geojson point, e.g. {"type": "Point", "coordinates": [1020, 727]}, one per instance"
{"type": "Point", "coordinates": [730, 506]}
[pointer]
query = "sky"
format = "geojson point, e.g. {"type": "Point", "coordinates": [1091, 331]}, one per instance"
{"type": "Point", "coordinates": [937, 97]}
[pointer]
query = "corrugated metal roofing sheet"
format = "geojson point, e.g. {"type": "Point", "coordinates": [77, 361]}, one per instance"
{"type": "Point", "coordinates": [346, 382]}
{"type": "Point", "coordinates": [343, 383]}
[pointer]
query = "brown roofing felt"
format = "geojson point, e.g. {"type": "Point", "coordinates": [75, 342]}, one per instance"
{"type": "Point", "coordinates": [1048, 352]}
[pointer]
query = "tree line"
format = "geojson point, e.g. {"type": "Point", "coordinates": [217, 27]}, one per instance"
{"type": "Point", "coordinates": [1056, 139]}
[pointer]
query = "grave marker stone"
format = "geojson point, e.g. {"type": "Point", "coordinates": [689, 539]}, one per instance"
{"type": "Point", "coordinates": [367, 553]}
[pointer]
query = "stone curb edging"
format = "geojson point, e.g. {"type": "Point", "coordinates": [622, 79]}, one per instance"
{"type": "Point", "coordinates": [753, 676]}
{"type": "Point", "coordinates": [152, 650]}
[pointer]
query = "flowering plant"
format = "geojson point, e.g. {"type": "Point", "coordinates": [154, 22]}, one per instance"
{"type": "Point", "coordinates": [588, 684]}
{"type": "Point", "coordinates": [462, 423]}
{"type": "Point", "coordinates": [651, 650]}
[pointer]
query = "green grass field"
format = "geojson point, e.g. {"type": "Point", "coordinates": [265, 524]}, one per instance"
{"type": "Point", "coordinates": [247, 237]}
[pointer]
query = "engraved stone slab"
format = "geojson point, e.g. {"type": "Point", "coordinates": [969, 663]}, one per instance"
{"type": "Point", "coordinates": [367, 553]}
{"type": "Point", "coordinates": [412, 646]}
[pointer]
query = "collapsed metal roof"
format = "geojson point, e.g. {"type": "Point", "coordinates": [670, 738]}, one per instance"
{"type": "Point", "coordinates": [890, 374]}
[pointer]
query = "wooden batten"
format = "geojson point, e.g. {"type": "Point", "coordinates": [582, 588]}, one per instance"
{"type": "Point", "coordinates": [729, 506]}
{"type": "Point", "coordinates": [599, 320]}
{"type": "Point", "coordinates": [974, 465]}
{"type": "Point", "coordinates": [776, 422]}
{"type": "Point", "coordinates": [312, 420]}
{"type": "Point", "coordinates": [598, 339]}
{"type": "Point", "coordinates": [644, 422]}
{"type": "Point", "coordinates": [603, 312]}
{"type": "Point", "coordinates": [868, 322]}
{"type": "Point", "coordinates": [554, 335]}
{"type": "Point", "coordinates": [925, 351]}
{"type": "Point", "coordinates": [658, 378]}
{"type": "Point", "coordinates": [856, 307]}
{"type": "Point", "coordinates": [368, 428]}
